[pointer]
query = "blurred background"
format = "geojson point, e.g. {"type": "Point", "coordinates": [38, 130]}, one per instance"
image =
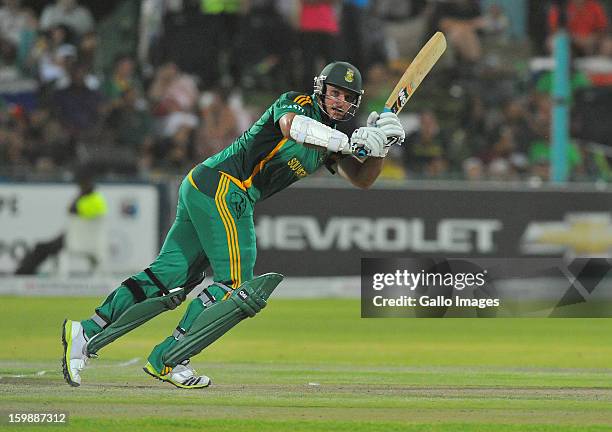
{"type": "Point", "coordinates": [104, 106]}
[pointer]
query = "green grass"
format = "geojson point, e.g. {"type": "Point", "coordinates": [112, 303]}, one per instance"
{"type": "Point", "coordinates": [314, 365]}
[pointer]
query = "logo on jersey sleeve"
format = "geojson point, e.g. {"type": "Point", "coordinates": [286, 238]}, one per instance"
{"type": "Point", "coordinates": [303, 100]}
{"type": "Point", "coordinates": [293, 106]}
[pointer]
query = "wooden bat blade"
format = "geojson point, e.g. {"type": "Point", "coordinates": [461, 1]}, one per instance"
{"type": "Point", "coordinates": [416, 72]}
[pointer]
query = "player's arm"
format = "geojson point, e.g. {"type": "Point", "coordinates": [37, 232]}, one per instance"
{"type": "Point", "coordinates": [362, 175]}
{"type": "Point", "coordinates": [365, 141]}
{"type": "Point", "coordinates": [307, 131]}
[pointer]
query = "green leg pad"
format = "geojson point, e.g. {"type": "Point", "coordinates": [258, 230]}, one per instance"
{"type": "Point", "coordinates": [216, 320]}
{"type": "Point", "coordinates": [134, 316]}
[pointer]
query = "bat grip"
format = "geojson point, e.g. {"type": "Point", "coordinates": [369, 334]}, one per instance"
{"type": "Point", "coordinates": [361, 153]}
{"type": "Point", "coordinates": [385, 109]}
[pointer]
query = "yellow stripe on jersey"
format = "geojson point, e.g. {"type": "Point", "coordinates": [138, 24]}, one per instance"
{"type": "Point", "coordinates": [234, 231]}
{"type": "Point", "coordinates": [190, 177]}
{"type": "Point", "coordinates": [230, 230]}
{"type": "Point", "coordinates": [218, 197]}
{"type": "Point", "coordinates": [235, 262]}
{"type": "Point", "coordinates": [303, 100]}
{"type": "Point", "coordinates": [248, 182]}
{"type": "Point", "coordinates": [234, 180]}
{"type": "Point", "coordinates": [230, 233]}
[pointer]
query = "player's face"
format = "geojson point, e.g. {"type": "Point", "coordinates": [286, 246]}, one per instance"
{"type": "Point", "coordinates": [338, 102]}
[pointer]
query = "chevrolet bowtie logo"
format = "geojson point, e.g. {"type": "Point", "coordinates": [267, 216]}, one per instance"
{"type": "Point", "coordinates": [580, 234]}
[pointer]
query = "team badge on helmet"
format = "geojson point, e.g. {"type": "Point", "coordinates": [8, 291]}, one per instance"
{"type": "Point", "coordinates": [349, 76]}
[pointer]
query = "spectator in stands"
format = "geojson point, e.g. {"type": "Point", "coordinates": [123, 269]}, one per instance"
{"type": "Point", "coordinates": [578, 80]}
{"type": "Point", "coordinates": [587, 23]}
{"type": "Point", "coordinates": [495, 24]}
{"type": "Point", "coordinates": [27, 41]}
{"type": "Point", "coordinates": [77, 107]}
{"type": "Point", "coordinates": [172, 90]}
{"type": "Point", "coordinates": [18, 28]}
{"type": "Point", "coordinates": [539, 158]}
{"type": "Point", "coordinates": [539, 170]}
{"type": "Point", "coordinates": [50, 142]}
{"type": "Point", "coordinates": [54, 53]}
{"type": "Point", "coordinates": [221, 32]}
{"type": "Point", "coordinates": [13, 20]}
{"type": "Point", "coordinates": [500, 170]}
{"type": "Point", "coordinates": [164, 76]}
{"type": "Point", "coordinates": [473, 169]}
{"type": "Point", "coordinates": [132, 127]}
{"type": "Point", "coordinates": [175, 151]}
{"type": "Point", "coordinates": [353, 24]}
{"type": "Point", "coordinates": [13, 146]}
{"type": "Point", "coordinates": [88, 51]}
{"type": "Point", "coordinates": [379, 84]}
{"type": "Point", "coordinates": [122, 79]}
{"type": "Point", "coordinates": [266, 58]}
{"type": "Point", "coordinates": [515, 117]}
{"type": "Point", "coordinates": [425, 149]}
{"type": "Point", "coordinates": [461, 21]}
{"type": "Point", "coordinates": [9, 69]}
{"type": "Point", "coordinates": [318, 32]}
{"type": "Point", "coordinates": [503, 159]}
{"type": "Point", "coordinates": [219, 125]}
{"type": "Point", "coordinates": [605, 49]}
{"type": "Point", "coordinates": [474, 123]}
{"type": "Point", "coordinates": [67, 12]}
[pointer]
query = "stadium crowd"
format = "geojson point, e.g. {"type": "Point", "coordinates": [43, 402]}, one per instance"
{"type": "Point", "coordinates": [205, 69]}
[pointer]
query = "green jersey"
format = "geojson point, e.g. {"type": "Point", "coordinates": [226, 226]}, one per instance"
{"type": "Point", "coordinates": [262, 161]}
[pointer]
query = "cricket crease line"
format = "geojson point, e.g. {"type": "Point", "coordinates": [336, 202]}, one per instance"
{"type": "Point", "coordinates": [130, 362]}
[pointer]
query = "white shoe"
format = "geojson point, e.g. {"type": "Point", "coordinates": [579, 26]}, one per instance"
{"type": "Point", "coordinates": [75, 357]}
{"type": "Point", "coordinates": [182, 376]}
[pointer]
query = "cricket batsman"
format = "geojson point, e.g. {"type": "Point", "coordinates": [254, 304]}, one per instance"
{"type": "Point", "coordinates": [214, 226]}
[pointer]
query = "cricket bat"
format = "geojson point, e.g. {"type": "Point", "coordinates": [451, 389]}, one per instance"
{"type": "Point", "coordinates": [416, 73]}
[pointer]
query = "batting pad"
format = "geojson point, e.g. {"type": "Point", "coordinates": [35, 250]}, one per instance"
{"type": "Point", "coordinates": [216, 320]}
{"type": "Point", "coordinates": [134, 317]}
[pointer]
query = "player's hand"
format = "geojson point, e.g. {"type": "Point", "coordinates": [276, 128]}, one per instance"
{"type": "Point", "coordinates": [369, 141]}
{"type": "Point", "coordinates": [391, 126]}
{"type": "Point", "coordinates": [372, 118]}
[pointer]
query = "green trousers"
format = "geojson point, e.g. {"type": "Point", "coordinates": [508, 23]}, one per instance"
{"type": "Point", "coordinates": [208, 231]}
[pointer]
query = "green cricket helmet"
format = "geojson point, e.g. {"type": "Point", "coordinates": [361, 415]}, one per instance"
{"type": "Point", "coordinates": [343, 75]}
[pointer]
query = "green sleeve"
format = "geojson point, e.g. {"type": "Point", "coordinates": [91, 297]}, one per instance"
{"type": "Point", "coordinates": [292, 102]}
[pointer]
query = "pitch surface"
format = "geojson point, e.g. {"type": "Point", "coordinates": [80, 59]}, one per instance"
{"type": "Point", "coordinates": [314, 365]}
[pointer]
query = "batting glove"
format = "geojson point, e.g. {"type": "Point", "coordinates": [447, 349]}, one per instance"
{"type": "Point", "coordinates": [369, 141]}
{"type": "Point", "coordinates": [391, 126]}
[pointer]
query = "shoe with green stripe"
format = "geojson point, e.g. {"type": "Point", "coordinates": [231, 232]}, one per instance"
{"type": "Point", "coordinates": [75, 348]}
{"type": "Point", "coordinates": [182, 376]}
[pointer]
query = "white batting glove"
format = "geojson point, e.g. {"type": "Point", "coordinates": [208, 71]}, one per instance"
{"type": "Point", "coordinates": [391, 126]}
{"type": "Point", "coordinates": [369, 141]}
{"type": "Point", "coordinates": [372, 118]}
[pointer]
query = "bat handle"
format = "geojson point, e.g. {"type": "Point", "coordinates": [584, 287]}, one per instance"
{"type": "Point", "coordinates": [385, 109]}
